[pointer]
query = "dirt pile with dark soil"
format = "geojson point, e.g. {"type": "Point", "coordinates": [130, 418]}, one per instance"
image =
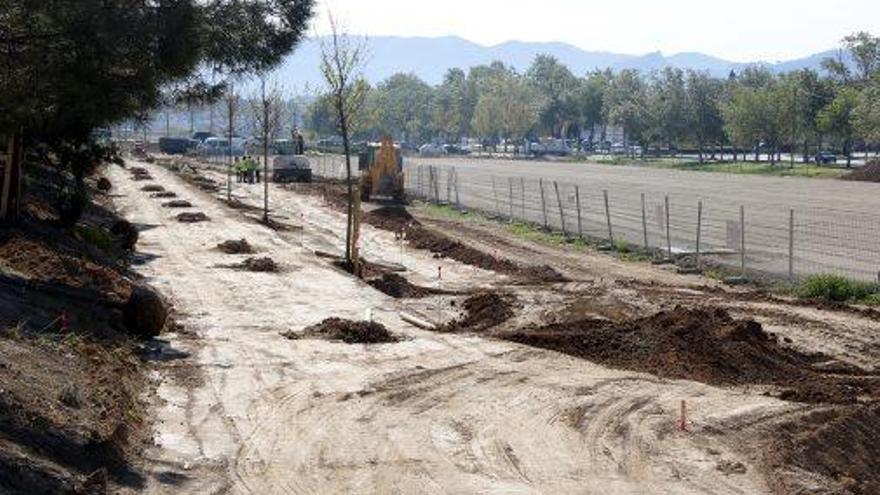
{"type": "Point", "coordinates": [481, 312]}
{"type": "Point", "coordinates": [41, 262]}
{"type": "Point", "coordinates": [838, 444]}
{"type": "Point", "coordinates": [398, 220]}
{"type": "Point", "coordinates": [365, 269]}
{"type": "Point", "coordinates": [257, 265]}
{"type": "Point", "coordinates": [140, 174]}
{"type": "Point", "coordinates": [398, 287]}
{"type": "Point", "coordinates": [236, 247]}
{"type": "Point", "coordinates": [152, 188]}
{"type": "Point", "coordinates": [348, 331]}
{"type": "Point", "coordinates": [867, 173]}
{"type": "Point", "coordinates": [705, 345]}
{"type": "Point", "coordinates": [196, 217]}
{"type": "Point", "coordinates": [104, 184]}
{"type": "Point", "coordinates": [164, 195]}
{"type": "Point", "coordinates": [126, 232]}
{"type": "Point", "coordinates": [188, 171]}
{"type": "Point", "coordinates": [179, 203]}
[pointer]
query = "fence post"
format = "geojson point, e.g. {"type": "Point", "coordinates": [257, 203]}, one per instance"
{"type": "Point", "coordinates": [668, 230]}
{"type": "Point", "coordinates": [791, 245]}
{"type": "Point", "coordinates": [449, 173]}
{"type": "Point", "coordinates": [742, 240]}
{"type": "Point", "coordinates": [644, 221]}
{"type": "Point", "coordinates": [495, 197]}
{"type": "Point", "coordinates": [608, 217]}
{"type": "Point", "coordinates": [561, 211]}
{"type": "Point", "coordinates": [699, 229]}
{"type": "Point", "coordinates": [457, 196]}
{"type": "Point", "coordinates": [522, 187]}
{"type": "Point", "coordinates": [510, 197]}
{"type": "Point", "coordinates": [543, 202]}
{"type": "Point", "coordinates": [436, 186]}
{"type": "Point", "coordinates": [577, 199]}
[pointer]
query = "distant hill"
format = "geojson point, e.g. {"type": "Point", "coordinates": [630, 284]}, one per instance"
{"type": "Point", "coordinates": [430, 58]}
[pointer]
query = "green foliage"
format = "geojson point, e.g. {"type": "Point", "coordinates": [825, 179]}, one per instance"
{"type": "Point", "coordinates": [95, 236]}
{"type": "Point", "coordinates": [835, 288]}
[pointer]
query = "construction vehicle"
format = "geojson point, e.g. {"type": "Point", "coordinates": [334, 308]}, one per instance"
{"type": "Point", "coordinates": [381, 166]}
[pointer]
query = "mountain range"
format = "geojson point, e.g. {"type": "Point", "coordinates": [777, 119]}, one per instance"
{"type": "Point", "coordinates": [430, 58]}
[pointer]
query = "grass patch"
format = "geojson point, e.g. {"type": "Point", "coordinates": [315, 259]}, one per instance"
{"type": "Point", "coordinates": [834, 288]}
{"type": "Point", "coordinates": [749, 168]}
{"type": "Point", "coordinates": [95, 236]}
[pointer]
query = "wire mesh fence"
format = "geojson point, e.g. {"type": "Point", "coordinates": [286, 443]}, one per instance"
{"type": "Point", "coordinates": [765, 238]}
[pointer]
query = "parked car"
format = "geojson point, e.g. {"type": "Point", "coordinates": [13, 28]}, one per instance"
{"type": "Point", "coordinates": [454, 149]}
{"type": "Point", "coordinates": [825, 158]}
{"type": "Point", "coordinates": [176, 146]}
{"type": "Point", "coordinates": [432, 150]}
{"type": "Point", "coordinates": [200, 136]}
{"type": "Point", "coordinates": [220, 147]}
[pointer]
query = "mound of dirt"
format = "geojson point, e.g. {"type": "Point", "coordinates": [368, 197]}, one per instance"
{"type": "Point", "coordinates": [348, 331]}
{"type": "Point", "coordinates": [840, 445]}
{"type": "Point", "coordinates": [178, 203]}
{"type": "Point", "coordinates": [145, 313]}
{"type": "Point", "coordinates": [152, 188]}
{"type": "Point", "coordinates": [164, 195]}
{"type": "Point", "coordinates": [867, 173]}
{"type": "Point", "coordinates": [192, 217]}
{"type": "Point", "coordinates": [39, 262]}
{"type": "Point", "coordinates": [236, 247]}
{"type": "Point", "coordinates": [139, 174]}
{"type": "Point", "coordinates": [398, 287]}
{"type": "Point", "coordinates": [260, 265]}
{"type": "Point", "coordinates": [705, 345]}
{"type": "Point", "coordinates": [104, 184]}
{"type": "Point", "coordinates": [481, 312]}
{"type": "Point", "coordinates": [398, 220]}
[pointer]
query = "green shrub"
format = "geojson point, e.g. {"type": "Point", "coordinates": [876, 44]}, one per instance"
{"type": "Point", "coordinates": [835, 288]}
{"type": "Point", "coordinates": [95, 236]}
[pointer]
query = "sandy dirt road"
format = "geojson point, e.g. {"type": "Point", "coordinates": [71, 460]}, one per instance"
{"type": "Point", "coordinates": [251, 412]}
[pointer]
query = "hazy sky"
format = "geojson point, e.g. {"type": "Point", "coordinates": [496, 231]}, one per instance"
{"type": "Point", "coordinates": [738, 30]}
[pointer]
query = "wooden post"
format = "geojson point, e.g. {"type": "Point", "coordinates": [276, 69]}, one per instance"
{"type": "Point", "coordinates": [543, 202]}
{"type": "Point", "coordinates": [699, 229]}
{"type": "Point", "coordinates": [561, 211]}
{"type": "Point", "coordinates": [644, 221]}
{"type": "Point", "coordinates": [457, 196]}
{"type": "Point", "coordinates": [577, 199]}
{"type": "Point", "coordinates": [449, 173]}
{"type": "Point", "coordinates": [421, 189]}
{"type": "Point", "coordinates": [510, 197]}
{"type": "Point", "coordinates": [436, 175]}
{"type": "Point", "coordinates": [608, 217]}
{"type": "Point", "coordinates": [495, 197]}
{"type": "Point", "coordinates": [668, 230]}
{"type": "Point", "coordinates": [742, 240]}
{"type": "Point", "coordinates": [522, 187]}
{"type": "Point", "coordinates": [791, 245]}
{"type": "Point", "coordinates": [7, 177]}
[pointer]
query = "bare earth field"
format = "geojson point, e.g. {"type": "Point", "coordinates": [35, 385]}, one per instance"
{"type": "Point", "coordinates": [836, 227]}
{"type": "Point", "coordinates": [467, 410]}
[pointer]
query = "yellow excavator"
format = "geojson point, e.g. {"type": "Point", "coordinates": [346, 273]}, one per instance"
{"type": "Point", "coordinates": [381, 166]}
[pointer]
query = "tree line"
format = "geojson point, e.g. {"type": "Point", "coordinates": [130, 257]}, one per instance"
{"type": "Point", "coordinates": [670, 109]}
{"type": "Point", "coordinates": [70, 67]}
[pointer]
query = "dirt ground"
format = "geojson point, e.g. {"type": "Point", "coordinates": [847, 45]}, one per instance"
{"type": "Point", "coordinates": [447, 412]}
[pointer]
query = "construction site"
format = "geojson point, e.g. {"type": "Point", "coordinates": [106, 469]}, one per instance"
{"type": "Point", "coordinates": [570, 287]}
{"type": "Point", "coordinates": [458, 358]}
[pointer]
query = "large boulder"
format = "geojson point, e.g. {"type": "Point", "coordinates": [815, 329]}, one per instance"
{"type": "Point", "coordinates": [126, 233]}
{"type": "Point", "coordinates": [145, 313]}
